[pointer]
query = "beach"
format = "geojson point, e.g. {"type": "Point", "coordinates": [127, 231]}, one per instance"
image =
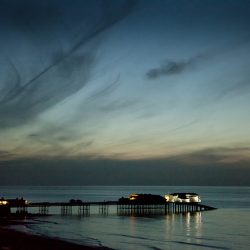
{"type": "Point", "coordinates": [11, 239]}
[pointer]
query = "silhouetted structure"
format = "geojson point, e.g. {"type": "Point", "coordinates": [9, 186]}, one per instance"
{"type": "Point", "coordinates": [4, 210]}
{"type": "Point", "coordinates": [143, 199]}
{"type": "Point", "coordinates": [135, 204]}
{"type": "Point", "coordinates": [4, 207]}
{"type": "Point", "coordinates": [148, 204]}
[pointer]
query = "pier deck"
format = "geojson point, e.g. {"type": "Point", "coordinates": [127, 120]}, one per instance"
{"type": "Point", "coordinates": [127, 208]}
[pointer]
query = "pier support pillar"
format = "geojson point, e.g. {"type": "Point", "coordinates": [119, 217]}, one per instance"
{"type": "Point", "coordinates": [104, 208]}
{"type": "Point", "coordinates": [66, 210]}
{"type": "Point", "coordinates": [43, 210]}
{"type": "Point", "coordinates": [84, 210]}
{"type": "Point", "coordinates": [21, 210]}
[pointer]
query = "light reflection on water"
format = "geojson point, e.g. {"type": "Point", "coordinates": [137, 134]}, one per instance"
{"type": "Point", "coordinates": [225, 228]}
{"type": "Point", "coordinates": [173, 231]}
{"type": "Point", "coordinates": [185, 225]}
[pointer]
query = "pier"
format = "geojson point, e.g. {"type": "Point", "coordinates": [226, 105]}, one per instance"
{"type": "Point", "coordinates": [122, 208]}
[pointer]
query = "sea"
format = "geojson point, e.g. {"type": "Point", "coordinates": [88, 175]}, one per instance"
{"type": "Point", "coordinates": [227, 227]}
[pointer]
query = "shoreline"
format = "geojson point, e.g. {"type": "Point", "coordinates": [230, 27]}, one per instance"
{"type": "Point", "coordinates": [11, 239]}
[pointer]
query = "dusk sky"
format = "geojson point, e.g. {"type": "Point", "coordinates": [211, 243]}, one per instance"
{"type": "Point", "coordinates": [105, 88]}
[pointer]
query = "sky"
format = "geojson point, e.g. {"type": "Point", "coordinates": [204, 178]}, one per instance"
{"type": "Point", "coordinates": [125, 92]}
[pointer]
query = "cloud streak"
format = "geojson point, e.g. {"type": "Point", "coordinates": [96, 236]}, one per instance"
{"type": "Point", "coordinates": [67, 73]}
{"type": "Point", "coordinates": [172, 67]}
{"type": "Point", "coordinates": [23, 103]}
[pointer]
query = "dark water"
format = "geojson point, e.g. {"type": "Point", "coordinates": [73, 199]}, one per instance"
{"type": "Point", "coordinates": [225, 228]}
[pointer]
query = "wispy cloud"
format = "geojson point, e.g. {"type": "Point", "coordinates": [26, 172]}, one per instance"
{"type": "Point", "coordinates": [66, 73]}
{"type": "Point", "coordinates": [43, 91]}
{"type": "Point", "coordinates": [237, 88]}
{"type": "Point", "coordinates": [105, 90]}
{"type": "Point", "coordinates": [172, 67]}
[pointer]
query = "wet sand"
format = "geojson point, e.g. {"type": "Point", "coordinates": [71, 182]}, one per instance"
{"type": "Point", "coordinates": [15, 240]}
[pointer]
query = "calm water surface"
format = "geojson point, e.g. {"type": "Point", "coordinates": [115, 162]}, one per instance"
{"type": "Point", "coordinates": [225, 228]}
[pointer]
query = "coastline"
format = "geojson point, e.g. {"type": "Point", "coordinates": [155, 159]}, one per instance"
{"type": "Point", "coordinates": [11, 239]}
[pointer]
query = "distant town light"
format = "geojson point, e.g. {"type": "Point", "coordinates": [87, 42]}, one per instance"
{"type": "Point", "coordinates": [3, 202]}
